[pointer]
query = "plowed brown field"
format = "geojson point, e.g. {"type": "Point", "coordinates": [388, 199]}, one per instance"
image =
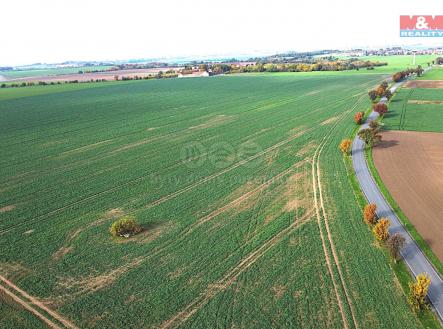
{"type": "Point", "coordinates": [411, 166]}
{"type": "Point", "coordinates": [424, 84]}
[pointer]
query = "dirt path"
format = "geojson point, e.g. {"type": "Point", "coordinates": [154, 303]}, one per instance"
{"type": "Point", "coordinates": [34, 305]}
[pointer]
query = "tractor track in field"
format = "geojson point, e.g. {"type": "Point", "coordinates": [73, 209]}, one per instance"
{"type": "Point", "coordinates": [167, 197]}
{"type": "Point", "coordinates": [321, 213]}
{"type": "Point", "coordinates": [230, 277]}
{"type": "Point", "coordinates": [403, 110]}
{"type": "Point", "coordinates": [33, 305]}
{"type": "Point", "coordinates": [54, 320]}
{"type": "Point", "coordinates": [172, 195]}
{"type": "Point", "coordinates": [188, 230]}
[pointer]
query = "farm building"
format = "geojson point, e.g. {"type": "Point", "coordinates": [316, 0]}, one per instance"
{"type": "Point", "coordinates": [193, 74]}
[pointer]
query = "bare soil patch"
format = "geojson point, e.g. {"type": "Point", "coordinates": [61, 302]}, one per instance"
{"type": "Point", "coordinates": [7, 208]}
{"type": "Point", "coordinates": [424, 84]}
{"type": "Point", "coordinates": [214, 121]}
{"type": "Point", "coordinates": [415, 101]}
{"type": "Point", "coordinates": [330, 120]}
{"type": "Point", "coordinates": [411, 165]}
{"type": "Point", "coordinates": [107, 75]}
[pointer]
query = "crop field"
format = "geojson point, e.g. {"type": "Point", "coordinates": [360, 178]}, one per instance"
{"type": "Point", "coordinates": [411, 167]}
{"type": "Point", "coordinates": [17, 74]}
{"type": "Point", "coordinates": [435, 74]}
{"type": "Point", "coordinates": [398, 63]}
{"type": "Point", "coordinates": [250, 219]}
{"type": "Point", "coordinates": [418, 109]}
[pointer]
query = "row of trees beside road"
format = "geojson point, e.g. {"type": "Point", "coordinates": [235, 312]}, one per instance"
{"type": "Point", "coordinates": [393, 244]}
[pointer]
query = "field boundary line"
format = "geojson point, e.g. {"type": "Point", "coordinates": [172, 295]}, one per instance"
{"type": "Point", "coordinates": [35, 302]}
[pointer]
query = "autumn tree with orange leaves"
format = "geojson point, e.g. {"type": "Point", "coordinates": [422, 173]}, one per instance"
{"type": "Point", "coordinates": [358, 117]}
{"type": "Point", "coordinates": [381, 229]}
{"type": "Point", "coordinates": [345, 146]}
{"type": "Point", "coordinates": [369, 213]}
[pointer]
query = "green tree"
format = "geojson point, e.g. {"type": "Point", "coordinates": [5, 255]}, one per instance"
{"type": "Point", "coordinates": [125, 227]}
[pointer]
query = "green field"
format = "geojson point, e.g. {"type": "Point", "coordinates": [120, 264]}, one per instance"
{"type": "Point", "coordinates": [407, 111]}
{"type": "Point", "coordinates": [250, 217]}
{"type": "Point", "coordinates": [435, 74]}
{"type": "Point", "coordinates": [398, 63]}
{"type": "Point", "coordinates": [16, 74]}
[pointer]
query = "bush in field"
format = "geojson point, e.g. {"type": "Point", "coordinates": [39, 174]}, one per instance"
{"type": "Point", "coordinates": [395, 244]}
{"type": "Point", "coordinates": [418, 291]}
{"type": "Point", "coordinates": [369, 214]}
{"type": "Point", "coordinates": [345, 146]}
{"type": "Point", "coordinates": [125, 226]}
{"type": "Point", "coordinates": [381, 229]}
{"type": "Point", "coordinates": [384, 84]}
{"type": "Point", "coordinates": [380, 108]}
{"type": "Point", "coordinates": [372, 95]}
{"type": "Point", "coordinates": [358, 117]}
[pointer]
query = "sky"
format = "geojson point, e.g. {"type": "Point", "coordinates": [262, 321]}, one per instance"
{"type": "Point", "coordinates": [51, 31]}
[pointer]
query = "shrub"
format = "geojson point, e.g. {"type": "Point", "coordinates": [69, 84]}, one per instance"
{"type": "Point", "coordinates": [358, 117]}
{"type": "Point", "coordinates": [369, 214]}
{"type": "Point", "coordinates": [345, 146]}
{"type": "Point", "coordinates": [125, 226]}
{"type": "Point", "coordinates": [418, 291]}
{"type": "Point", "coordinates": [395, 244]}
{"type": "Point", "coordinates": [381, 229]}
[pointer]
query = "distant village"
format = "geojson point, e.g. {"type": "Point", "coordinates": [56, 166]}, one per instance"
{"type": "Point", "coordinates": [392, 51]}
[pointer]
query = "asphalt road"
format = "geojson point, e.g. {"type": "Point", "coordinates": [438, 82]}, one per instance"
{"type": "Point", "coordinates": [413, 256]}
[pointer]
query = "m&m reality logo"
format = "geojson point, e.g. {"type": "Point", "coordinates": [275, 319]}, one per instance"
{"type": "Point", "coordinates": [421, 26]}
